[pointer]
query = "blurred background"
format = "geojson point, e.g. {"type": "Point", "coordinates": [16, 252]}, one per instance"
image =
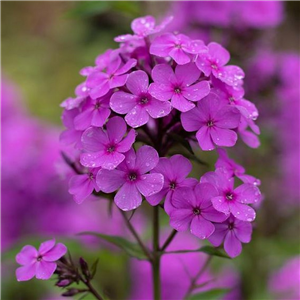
{"type": "Point", "coordinates": [45, 44]}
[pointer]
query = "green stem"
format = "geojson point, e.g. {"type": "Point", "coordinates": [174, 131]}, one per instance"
{"type": "Point", "coordinates": [156, 255]}
{"type": "Point", "coordinates": [169, 240]}
{"type": "Point", "coordinates": [193, 284]}
{"type": "Point", "coordinates": [135, 234]}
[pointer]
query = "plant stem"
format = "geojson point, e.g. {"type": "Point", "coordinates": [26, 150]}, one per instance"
{"type": "Point", "coordinates": [135, 234]}
{"type": "Point", "coordinates": [92, 290]}
{"type": "Point", "coordinates": [193, 284]}
{"type": "Point", "coordinates": [156, 255]}
{"type": "Point", "coordinates": [169, 240]}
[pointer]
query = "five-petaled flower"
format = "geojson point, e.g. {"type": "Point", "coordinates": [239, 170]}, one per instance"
{"type": "Point", "coordinates": [39, 263]}
{"type": "Point", "coordinates": [192, 208]}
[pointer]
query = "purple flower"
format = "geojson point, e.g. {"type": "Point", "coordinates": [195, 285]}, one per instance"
{"type": "Point", "coordinates": [213, 122]}
{"type": "Point", "coordinates": [193, 209]}
{"type": "Point", "coordinates": [248, 137]}
{"type": "Point", "coordinates": [233, 232]}
{"type": "Point", "coordinates": [175, 170]}
{"type": "Point", "coordinates": [94, 113]}
{"type": "Point", "coordinates": [214, 61]}
{"type": "Point", "coordinates": [138, 104]}
{"type": "Point", "coordinates": [179, 47]}
{"type": "Point", "coordinates": [231, 168]}
{"type": "Point", "coordinates": [82, 185]}
{"type": "Point", "coordinates": [106, 148]}
{"type": "Point", "coordinates": [39, 263]}
{"type": "Point", "coordinates": [70, 135]}
{"type": "Point", "coordinates": [131, 179]}
{"type": "Point", "coordinates": [143, 27]}
{"type": "Point", "coordinates": [178, 87]}
{"type": "Point", "coordinates": [100, 83]}
{"type": "Point", "coordinates": [232, 200]}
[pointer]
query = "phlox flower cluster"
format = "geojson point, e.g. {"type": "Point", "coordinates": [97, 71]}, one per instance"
{"type": "Point", "coordinates": [128, 109]}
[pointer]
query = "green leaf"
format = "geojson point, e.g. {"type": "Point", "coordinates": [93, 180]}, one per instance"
{"type": "Point", "coordinates": [205, 249]}
{"type": "Point", "coordinates": [130, 248]}
{"type": "Point", "coordinates": [94, 268]}
{"type": "Point", "coordinates": [89, 8]}
{"type": "Point", "coordinates": [209, 295]}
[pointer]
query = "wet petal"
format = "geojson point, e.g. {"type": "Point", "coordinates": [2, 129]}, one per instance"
{"type": "Point", "coordinates": [247, 193]}
{"type": "Point", "coordinates": [94, 139]}
{"type": "Point", "coordinates": [158, 109]}
{"type": "Point", "coordinates": [232, 245]}
{"type": "Point", "coordinates": [197, 91]}
{"type": "Point", "coordinates": [127, 142]}
{"type": "Point", "coordinates": [243, 231]}
{"type": "Point", "coordinates": [242, 212]}
{"type": "Point", "coordinates": [160, 91]}
{"type": "Point", "coordinates": [128, 197]}
{"type": "Point", "coordinates": [201, 228]}
{"type": "Point", "coordinates": [46, 246]}
{"type": "Point", "coordinates": [138, 82]}
{"type": "Point", "coordinates": [187, 74]}
{"type": "Point", "coordinates": [122, 102]}
{"type": "Point", "coordinates": [220, 204]}
{"type": "Point", "coordinates": [204, 139]}
{"type": "Point", "coordinates": [137, 117]}
{"type": "Point", "coordinates": [150, 184]}
{"type": "Point", "coordinates": [180, 219]}
{"type": "Point", "coordinates": [180, 103]}
{"type": "Point", "coordinates": [180, 166]}
{"type": "Point", "coordinates": [116, 129]}
{"type": "Point", "coordinates": [146, 159]}
{"type": "Point", "coordinates": [223, 137]}
{"type": "Point", "coordinates": [110, 181]}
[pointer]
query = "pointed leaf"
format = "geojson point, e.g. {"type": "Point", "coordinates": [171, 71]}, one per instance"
{"type": "Point", "coordinates": [130, 248]}
{"type": "Point", "coordinates": [209, 295]}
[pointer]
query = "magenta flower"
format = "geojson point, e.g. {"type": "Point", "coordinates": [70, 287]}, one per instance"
{"type": "Point", "coordinates": [70, 135]}
{"type": "Point", "coordinates": [232, 200]}
{"type": "Point", "coordinates": [231, 168]}
{"type": "Point", "coordinates": [175, 170]}
{"type": "Point", "coordinates": [193, 209]}
{"type": "Point", "coordinates": [179, 47]}
{"type": "Point", "coordinates": [100, 83]}
{"type": "Point", "coordinates": [94, 113]}
{"type": "Point", "coordinates": [143, 27]}
{"type": "Point", "coordinates": [178, 87]}
{"type": "Point", "coordinates": [233, 232]}
{"type": "Point", "coordinates": [82, 185]}
{"type": "Point", "coordinates": [106, 148]}
{"type": "Point", "coordinates": [213, 122]}
{"type": "Point", "coordinates": [214, 61]}
{"type": "Point", "coordinates": [131, 179]}
{"type": "Point", "coordinates": [39, 263]}
{"type": "Point", "coordinates": [138, 104]}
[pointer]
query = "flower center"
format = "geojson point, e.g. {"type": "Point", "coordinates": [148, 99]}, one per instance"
{"type": "Point", "coordinates": [177, 90]}
{"type": "Point", "coordinates": [39, 258]}
{"type": "Point", "coordinates": [230, 226]}
{"type": "Point", "coordinates": [214, 66]}
{"type": "Point", "coordinates": [132, 176]}
{"type": "Point", "coordinates": [210, 123]}
{"type": "Point", "coordinates": [231, 99]}
{"type": "Point", "coordinates": [111, 148]}
{"type": "Point", "coordinates": [178, 46]}
{"type": "Point", "coordinates": [91, 176]}
{"type": "Point", "coordinates": [229, 196]}
{"type": "Point", "coordinates": [172, 185]}
{"type": "Point", "coordinates": [196, 211]}
{"type": "Point", "coordinates": [97, 105]}
{"type": "Point", "coordinates": [144, 100]}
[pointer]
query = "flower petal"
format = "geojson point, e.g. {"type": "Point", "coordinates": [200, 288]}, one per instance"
{"type": "Point", "coordinates": [137, 117]}
{"type": "Point", "coordinates": [158, 109]}
{"type": "Point", "coordinates": [180, 166]}
{"type": "Point", "coordinates": [25, 273]}
{"type": "Point", "coordinates": [116, 129]}
{"type": "Point", "coordinates": [146, 159]}
{"type": "Point", "coordinates": [247, 193]}
{"type": "Point", "coordinates": [179, 56]}
{"type": "Point", "coordinates": [180, 219]}
{"type": "Point", "coordinates": [27, 255]}
{"type": "Point", "coordinates": [220, 204]}
{"type": "Point", "coordinates": [44, 269]}
{"type": "Point", "coordinates": [204, 193]}
{"type": "Point", "coordinates": [127, 142]}
{"type": "Point", "coordinates": [243, 231]}
{"type": "Point", "coordinates": [204, 139]}
{"type": "Point", "coordinates": [193, 120]}
{"type": "Point", "coordinates": [219, 234]}
{"type": "Point", "coordinates": [163, 74]}
{"type": "Point", "coordinates": [128, 197]}
{"type": "Point", "coordinates": [46, 246]}
{"type": "Point", "coordinates": [122, 102]}
{"type": "Point", "coordinates": [55, 253]}
{"type": "Point", "coordinates": [201, 228]}
{"type": "Point", "coordinates": [138, 82]}
{"type": "Point", "coordinates": [150, 184]}
{"type": "Point", "coordinates": [156, 198]}
{"type": "Point", "coordinates": [81, 187]}
{"type": "Point", "coordinates": [94, 139]}
{"type": "Point", "coordinates": [187, 74]}
{"type": "Point", "coordinates": [232, 245]}
{"type": "Point", "coordinates": [180, 103]}
{"type": "Point", "coordinates": [242, 212]}
{"type": "Point", "coordinates": [223, 137]}
{"type": "Point", "coordinates": [197, 91]}
{"type": "Point", "coordinates": [227, 117]}
{"type": "Point", "coordinates": [161, 91]}
{"type": "Point", "coordinates": [110, 181]}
